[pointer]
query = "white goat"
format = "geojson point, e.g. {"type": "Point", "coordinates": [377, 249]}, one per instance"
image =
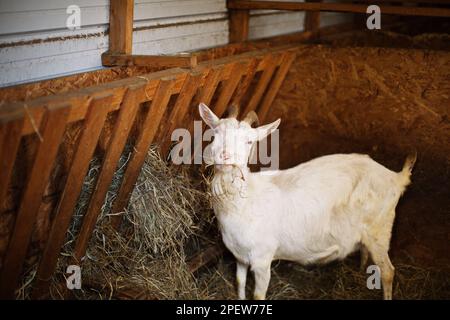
{"type": "Point", "coordinates": [316, 212]}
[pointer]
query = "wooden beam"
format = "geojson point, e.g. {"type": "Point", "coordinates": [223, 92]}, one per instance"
{"type": "Point", "coordinates": [121, 26]}
{"type": "Point", "coordinates": [238, 25]}
{"type": "Point", "coordinates": [92, 128]}
{"type": "Point", "coordinates": [312, 19]}
{"type": "Point", "coordinates": [336, 7]}
{"type": "Point", "coordinates": [182, 61]}
{"type": "Point", "coordinates": [205, 257]}
{"type": "Point", "coordinates": [52, 130]}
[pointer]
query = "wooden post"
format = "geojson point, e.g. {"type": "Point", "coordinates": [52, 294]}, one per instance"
{"type": "Point", "coordinates": [238, 25]}
{"type": "Point", "coordinates": [312, 19]}
{"type": "Point", "coordinates": [121, 26]}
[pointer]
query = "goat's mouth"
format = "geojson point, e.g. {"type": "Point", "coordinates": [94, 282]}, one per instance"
{"type": "Point", "coordinates": [225, 166]}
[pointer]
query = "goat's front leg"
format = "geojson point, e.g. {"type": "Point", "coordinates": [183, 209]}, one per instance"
{"type": "Point", "coordinates": [262, 279]}
{"type": "Point", "coordinates": [241, 278]}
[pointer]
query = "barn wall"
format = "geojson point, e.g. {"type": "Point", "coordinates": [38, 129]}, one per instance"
{"type": "Point", "coordinates": [35, 43]}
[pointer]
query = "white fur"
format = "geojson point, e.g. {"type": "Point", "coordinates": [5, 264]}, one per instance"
{"type": "Point", "coordinates": [314, 213]}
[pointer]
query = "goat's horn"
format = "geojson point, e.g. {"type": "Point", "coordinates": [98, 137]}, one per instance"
{"type": "Point", "coordinates": [251, 118]}
{"type": "Point", "coordinates": [233, 111]}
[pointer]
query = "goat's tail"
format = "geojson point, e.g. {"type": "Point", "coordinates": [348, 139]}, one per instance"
{"type": "Point", "coordinates": [405, 174]}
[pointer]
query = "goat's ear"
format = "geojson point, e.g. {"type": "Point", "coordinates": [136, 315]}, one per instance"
{"type": "Point", "coordinates": [264, 131]}
{"type": "Point", "coordinates": [208, 116]}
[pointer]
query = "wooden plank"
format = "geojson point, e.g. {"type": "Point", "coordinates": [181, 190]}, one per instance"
{"type": "Point", "coordinates": [52, 130]}
{"type": "Point", "coordinates": [92, 128]}
{"type": "Point", "coordinates": [121, 26]}
{"type": "Point", "coordinates": [205, 96]}
{"type": "Point", "coordinates": [144, 139]}
{"type": "Point", "coordinates": [312, 19]}
{"type": "Point", "coordinates": [272, 62]}
{"type": "Point", "coordinates": [168, 61]}
{"type": "Point", "coordinates": [10, 136]}
{"type": "Point", "coordinates": [237, 70]}
{"type": "Point", "coordinates": [124, 122]}
{"type": "Point", "coordinates": [245, 84]}
{"type": "Point", "coordinates": [275, 85]}
{"type": "Point", "coordinates": [336, 7]}
{"type": "Point", "coordinates": [238, 25]}
{"type": "Point", "coordinates": [205, 257]}
{"type": "Point", "coordinates": [180, 108]}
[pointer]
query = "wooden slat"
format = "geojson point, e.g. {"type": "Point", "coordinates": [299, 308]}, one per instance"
{"type": "Point", "coordinates": [272, 62]}
{"type": "Point", "coordinates": [121, 26]}
{"type": "Point", "coordinates": [182, 61]}
{"type": "Point", "coordinates": [124, 122]}
{"type": "Point", "coordinates": [206, 95]}
{"type": "Point", "coordinates": [52, 130]}
{"type": "Point", "coordinates": [336, 7]}
{"type": "Point", "coordinates": [238, 25]}
{"type": "Point", "coordinates": [145, 138]}
{"type": "Point", "coordinates": [10, 136]}
{"type": "Point", "coordinates": [180, 108]}
{"type": "Point", "coordinates": [222, 103]}
{"type": "Point", "coordinates": [92, 128]}
{"type": "Point", "coordinates": [245, 84]}
{"type": "Point", "coordinates": [275, 85]}
{"type": "Point", "coordinates": [205, 257]}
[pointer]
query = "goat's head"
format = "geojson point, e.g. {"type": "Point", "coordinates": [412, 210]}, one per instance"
{"type": "Point", "coordinates": [233, 139]}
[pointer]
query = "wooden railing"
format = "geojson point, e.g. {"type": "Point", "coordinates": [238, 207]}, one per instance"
{"type": "Point", "coordinates": [239, 11]}
{"type": "Point", "coordinates": [250, 79]}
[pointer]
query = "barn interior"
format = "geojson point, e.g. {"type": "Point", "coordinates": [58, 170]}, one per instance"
{"type": "Point", "coordinates": [86, 183]}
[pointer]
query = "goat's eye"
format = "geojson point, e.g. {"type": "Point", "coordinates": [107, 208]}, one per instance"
{"type": "Point", "coordinates": [249, 142]}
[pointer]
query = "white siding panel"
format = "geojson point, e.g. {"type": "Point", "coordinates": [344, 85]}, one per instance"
{"type": "Point", "coordinates": [35, 43]}
{"type": "Point", "coordinates": [268, 25]}
{"type": "Point", "coordinates": [38, 61]}
{"type": "Point", "coordinates": [330, 18]}
{"type": "Point", "coordinates": [54, 16]}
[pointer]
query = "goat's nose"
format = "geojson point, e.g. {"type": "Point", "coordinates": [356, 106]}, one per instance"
{"type": "Point", "coordinates": [224, 155]}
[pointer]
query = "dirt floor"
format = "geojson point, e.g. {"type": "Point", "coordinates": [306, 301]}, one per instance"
{"type": "Point", "coordinates": [384, 102]}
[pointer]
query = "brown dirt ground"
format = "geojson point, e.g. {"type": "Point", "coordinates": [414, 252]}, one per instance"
{"type": "Point", "coordinates": [383, 102]}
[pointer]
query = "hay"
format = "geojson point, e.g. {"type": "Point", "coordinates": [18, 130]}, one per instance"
{"type": "Point", "coordinates": [336, 281]}
{"type": "Point", "coordinates": [148, 253]}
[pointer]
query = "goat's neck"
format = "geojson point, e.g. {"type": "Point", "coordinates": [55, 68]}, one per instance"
{"type": "Point", "coordinates": [230, 187]}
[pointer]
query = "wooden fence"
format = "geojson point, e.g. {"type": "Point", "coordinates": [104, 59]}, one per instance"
{"type": "Point", "coordinates": [162, 101]}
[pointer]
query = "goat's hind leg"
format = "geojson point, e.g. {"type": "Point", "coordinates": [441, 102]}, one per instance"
{"type": "Point", "coordinates": [364, 258]}
{"type": "Point", "coordinates": [379, 254]}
